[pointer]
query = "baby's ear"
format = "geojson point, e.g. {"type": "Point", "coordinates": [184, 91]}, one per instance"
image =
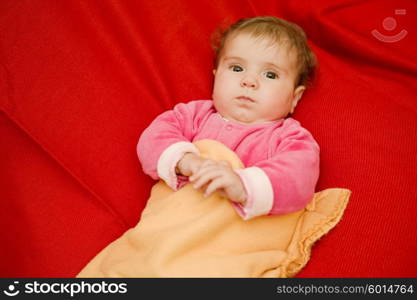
{"type": "Point", "coordinates": [298, 93]}
{"type": "Point", "coordinates": [214, 71]}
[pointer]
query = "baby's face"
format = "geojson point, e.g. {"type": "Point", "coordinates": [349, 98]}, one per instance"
{"type": "Point", "coordinates": [254, 81]}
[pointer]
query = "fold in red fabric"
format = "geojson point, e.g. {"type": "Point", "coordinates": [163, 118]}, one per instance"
{"type": "Point", "coordinates": [80, 81]}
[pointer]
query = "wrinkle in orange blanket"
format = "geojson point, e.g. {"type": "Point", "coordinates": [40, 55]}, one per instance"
{"type": "Point", "coordinates": [183, 234]}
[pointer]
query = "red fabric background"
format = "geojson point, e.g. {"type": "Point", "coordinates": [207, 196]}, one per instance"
{"type": "Point", "coordinates": [79, 81]}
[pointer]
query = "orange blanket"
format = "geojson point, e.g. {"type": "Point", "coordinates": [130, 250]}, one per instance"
{"type": "Point", "coordinates": [183, 234]}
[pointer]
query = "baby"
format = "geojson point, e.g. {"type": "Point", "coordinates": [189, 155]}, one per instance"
{"type": "Point", "coordinates": [262, 68]}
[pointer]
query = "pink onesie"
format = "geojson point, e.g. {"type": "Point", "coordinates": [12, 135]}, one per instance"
{"type": "Point", "coordinates": [281, 158]}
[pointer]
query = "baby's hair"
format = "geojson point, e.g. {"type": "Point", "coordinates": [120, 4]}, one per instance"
{"type": "Point", "coordinates": [278, 31]}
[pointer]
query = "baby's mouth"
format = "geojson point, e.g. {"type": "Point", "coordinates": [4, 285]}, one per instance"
{"type": "Point", "coordinates": [245, 99]}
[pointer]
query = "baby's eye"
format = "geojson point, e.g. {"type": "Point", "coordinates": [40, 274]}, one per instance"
{"type": "Point", "coordinates": [271, 75]}
{"type": "Point", "coordinates": [236, 68]}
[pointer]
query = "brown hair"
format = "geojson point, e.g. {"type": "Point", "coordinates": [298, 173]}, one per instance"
{"type": "Point", "coordinates": [279, 31]}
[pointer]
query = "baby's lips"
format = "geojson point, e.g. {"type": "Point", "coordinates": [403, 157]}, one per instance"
{"type": "Point", "coordinates": [245, 98]}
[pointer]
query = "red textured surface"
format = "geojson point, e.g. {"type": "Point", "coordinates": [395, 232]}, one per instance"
{"type": "Point", "coordinates": [80, 81]}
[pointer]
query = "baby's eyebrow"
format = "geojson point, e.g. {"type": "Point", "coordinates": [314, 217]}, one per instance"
{"type": "Point", "coordinates": [266, 64]}
{"type": "Point", "coordinates": [270, 64]}
{"type": "Point", "coordinates": [226, 58]}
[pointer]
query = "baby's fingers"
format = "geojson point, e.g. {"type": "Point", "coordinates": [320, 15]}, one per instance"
{"type": "Point", "coordinates": [204, 168]}
{"type": "Point", "coordinates": [214, 185]}
{"type": "Point", "coordinates": [205, 178]}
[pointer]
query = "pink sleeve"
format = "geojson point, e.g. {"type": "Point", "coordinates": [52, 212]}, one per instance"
{"type": "Point", "coordinates": [286, 182]}
{"type": "Point", "coordinates": [177, 126]}
{"type": "Point", "coordinates": [259, 192]}
{"type": "Point", "coordinates": [169, 159]}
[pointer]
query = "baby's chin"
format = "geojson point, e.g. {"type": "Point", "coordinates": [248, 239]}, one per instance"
{"type": "Point", "coordinates": [242, 114]}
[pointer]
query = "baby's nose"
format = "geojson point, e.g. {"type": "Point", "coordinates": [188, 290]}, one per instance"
{"type": "Point", "coordinates": [249, 82]}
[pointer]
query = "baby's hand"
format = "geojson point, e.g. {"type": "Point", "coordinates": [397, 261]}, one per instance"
{"type": "Point", "coordinates": [219, 176]}
{"type": "Point", "coordinates": [189, 164]}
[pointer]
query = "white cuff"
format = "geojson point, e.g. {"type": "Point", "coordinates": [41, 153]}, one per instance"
{"type": "Point", "coordinates": [260, 195]}
{"type": "Point", "coordinates": [169, 160]}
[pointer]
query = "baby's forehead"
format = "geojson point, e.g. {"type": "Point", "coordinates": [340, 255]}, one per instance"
{"type": "Point", "coordinates": [281, 44]}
